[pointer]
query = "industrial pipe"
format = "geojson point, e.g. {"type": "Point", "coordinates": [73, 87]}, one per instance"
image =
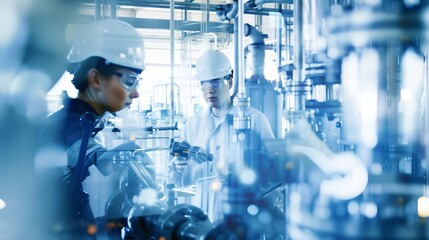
{"type": "Point", "coordinates": [241, 67]}
{"type": "Point", "coordinates": [260, 2]}
{"type": "Point", "coordinates": [230, 14]}
{"type": "Point", "coordinates": [168, 185]}
{"type": "Point", "coordinates": [97, 5]}
{"type": "Point", "coordinates": [112, 9]}
{"type": "Point", "coordinates": [255, 52]}
{"type": "Point", "coordinates": [253, 33]}
{"type": "Point", "coordinates": [298, 49]}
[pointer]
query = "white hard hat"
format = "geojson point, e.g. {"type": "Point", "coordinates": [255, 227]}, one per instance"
{"type": "Point", "coordinates": [114, 40]}
{"type": "Point", "coordinates": [211, 65]}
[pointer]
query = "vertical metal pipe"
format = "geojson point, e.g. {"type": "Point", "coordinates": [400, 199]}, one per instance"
{"type": "Point", "coordinates": [169, 186]}
{"type": "Point", "coordinates": [207, 15]}
{"type": "Point", "coordinates": [280, 96]}
{"type": "Point", "coordinates": [298, 88]}
{"type": "Point", "coordinates": [104, 8]}
{"type": "Point", "coordinates": [97, 5]}
{"type": "Point", "coordinates": [232, 14]}
{"type": "Point", "coordinates": [172, 68]}
{"type": "Point", "coordinates": [112, 9]}
{"type": "Point", "coordinates": [236, 64]}
{"type": "Point", "coordinates": [279, 44]}
{"type": "Point", "coordinates": [298, 56]}
{"type": "Point", "coordinates": [426, 109]}
{"type": "Point", "coordinates": [240, 32]}
{"type": "Point", "coordinates": [329, 92]}
{"type": "Point", "coordinates": [298, 49]}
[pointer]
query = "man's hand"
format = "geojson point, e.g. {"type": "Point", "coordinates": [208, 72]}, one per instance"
{"type": "Point", "coordinates": [179, 163]}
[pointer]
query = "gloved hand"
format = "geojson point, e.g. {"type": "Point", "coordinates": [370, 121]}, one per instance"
{"type": "Point", "coordinates": [179, 163]}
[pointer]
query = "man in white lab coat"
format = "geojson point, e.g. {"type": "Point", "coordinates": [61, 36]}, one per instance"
{"type": "Point", "coordinates": [213, 131]}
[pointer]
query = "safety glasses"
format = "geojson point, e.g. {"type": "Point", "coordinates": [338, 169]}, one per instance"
{"type": "Point", "coordinates": [128, 81]}
{"type": "Point", "coordinates": [216, 84]}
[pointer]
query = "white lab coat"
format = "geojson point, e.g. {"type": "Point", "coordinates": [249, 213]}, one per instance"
{"type": "Point", "coordinates": [202, 131]}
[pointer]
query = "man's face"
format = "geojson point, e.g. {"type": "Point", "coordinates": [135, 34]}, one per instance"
{"type": "Point", "coordinates": [216, 91]}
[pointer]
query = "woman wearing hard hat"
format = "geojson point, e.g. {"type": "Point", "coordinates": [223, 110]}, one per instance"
{"type": "Point", "coordinates": [212, 130]}
{"type": "Point", "coordinates": [106, 59]}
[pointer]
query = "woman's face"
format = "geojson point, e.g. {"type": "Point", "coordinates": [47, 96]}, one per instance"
{"type": "Point", "coordinates": [117, 92]}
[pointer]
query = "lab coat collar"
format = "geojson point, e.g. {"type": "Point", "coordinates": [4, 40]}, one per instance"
{"type": "Point", "coordinates": [207, 120]}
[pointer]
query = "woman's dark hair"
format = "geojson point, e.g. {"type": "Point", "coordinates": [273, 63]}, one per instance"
{"type": "Point", "coordinates": [80, 70]}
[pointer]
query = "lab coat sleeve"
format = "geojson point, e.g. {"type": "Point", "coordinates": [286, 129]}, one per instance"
{"type": "Point", "coordinates": [193, 170]}
{"type": "Point", "coordinates": [191, 173]}
{"type": "Point", "coordinates": [175, 176]}
{"type": "Point", "coordinates": [185, 130]}
{"type": "Point", "coordinates": [189, 176]}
